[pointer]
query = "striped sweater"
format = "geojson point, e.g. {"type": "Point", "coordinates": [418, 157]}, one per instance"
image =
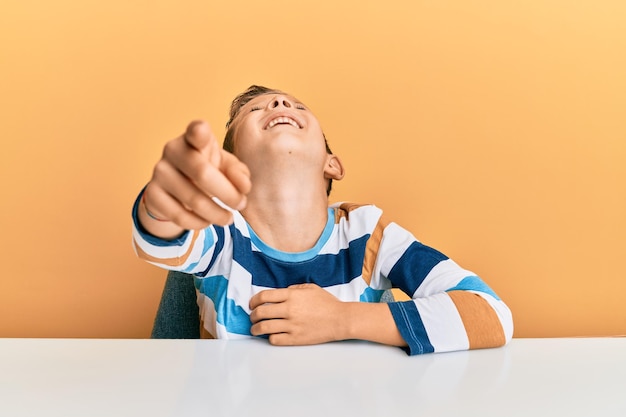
{"type": "Point", "coordinates": [357, 257]}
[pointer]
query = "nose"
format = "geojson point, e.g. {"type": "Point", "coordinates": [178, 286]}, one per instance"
{"type": "Point", "coordinates": [279, 101]}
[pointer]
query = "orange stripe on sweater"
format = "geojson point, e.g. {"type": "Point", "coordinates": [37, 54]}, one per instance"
{"type": "Point", "coordinates": [371, 250]}
{"type": "Point", "coordinates": [178, 261]}
{"type": "Point", "coordinates": [481, 322]}
{"type": "Point", "coordinates": [344, 210]}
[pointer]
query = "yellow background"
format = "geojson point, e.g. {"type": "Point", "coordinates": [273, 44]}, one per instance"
{"type": "Point", "coordinates": [495, 131]}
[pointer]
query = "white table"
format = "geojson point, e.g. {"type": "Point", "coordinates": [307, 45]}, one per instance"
{"type": "Point", "coordinates": [115, 378]}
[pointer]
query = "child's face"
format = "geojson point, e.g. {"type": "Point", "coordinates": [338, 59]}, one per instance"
{"type": "Point", "coordinates": [277, 124]}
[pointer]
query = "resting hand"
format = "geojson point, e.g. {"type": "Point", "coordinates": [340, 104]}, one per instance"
{"type": "Point", "coordinates": [192, 170]}
{"type": "Point", "coordinates": [303, 314]}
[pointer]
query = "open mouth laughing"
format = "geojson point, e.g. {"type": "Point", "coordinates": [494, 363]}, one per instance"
{"type": "Point", "coordinates": [283, 120]}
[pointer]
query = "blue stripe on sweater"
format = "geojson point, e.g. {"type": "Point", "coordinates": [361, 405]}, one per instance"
{"type": "Point", "coordinates": [473, 283]}
{"type": "Point", "coordinates": [413, 267]}
{"type": "Point", "coordinates": [219, 245]}
{"type": "Point", "coordinates": [228, 313]}
{"type": "Point", "coordinates": [371, 295]}
{"type": "Point", "coordinates": [324, 270]}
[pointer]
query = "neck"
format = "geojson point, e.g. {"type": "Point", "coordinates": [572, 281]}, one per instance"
{"type": "Point", "coordinates": [289, 218]}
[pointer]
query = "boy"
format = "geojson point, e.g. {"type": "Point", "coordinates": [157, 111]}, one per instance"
{"type": "Point", "coordinates": [282, 263]}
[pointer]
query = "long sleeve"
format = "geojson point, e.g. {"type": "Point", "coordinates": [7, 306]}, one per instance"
{"type": "Point", "coordinates": [451, 308]}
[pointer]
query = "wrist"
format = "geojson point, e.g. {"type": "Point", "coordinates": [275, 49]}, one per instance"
{"type": "Point", "coordinates": [348, 327]}
{"type": "Point", "coordinates": [370, 321]}
{"type": "Point", "coordinates": [155, 226]}
{"type": "Point", "coordinates": [152, 216]}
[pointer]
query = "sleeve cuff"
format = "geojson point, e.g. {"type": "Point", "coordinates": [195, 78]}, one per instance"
{"type": "Point", "coordinates": [411, 327]}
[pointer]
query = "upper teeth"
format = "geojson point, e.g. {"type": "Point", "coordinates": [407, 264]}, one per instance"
{"type": "Point", "coordinates": [283, 119]}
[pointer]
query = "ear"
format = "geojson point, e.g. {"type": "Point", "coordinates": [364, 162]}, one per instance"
{"type": "Point", "coordinates": [333, 169]}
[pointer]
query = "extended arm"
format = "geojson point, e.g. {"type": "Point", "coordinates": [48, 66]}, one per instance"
{"type": "Point", "coordinates": [192, 171]}
{"type": "Point", "coordinates": [173, 211]}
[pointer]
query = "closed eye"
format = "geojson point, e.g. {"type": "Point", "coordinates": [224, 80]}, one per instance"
{"type": "Point", "coordinates": [255, 108]}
